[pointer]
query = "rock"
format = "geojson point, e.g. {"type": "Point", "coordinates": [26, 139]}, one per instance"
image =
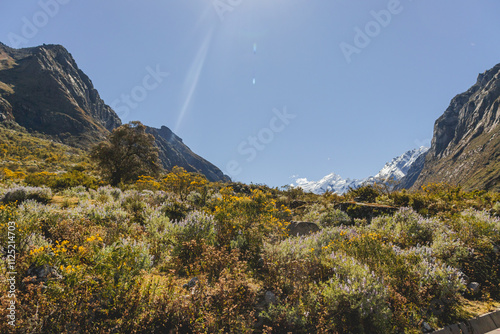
{"type": "Point", "coordinates": [43, 274]}
{"type": "Point", "coordinates": [302, 228]}
{"type": "Point", "coordinates": [474, 287]}
{"type": "Point", "coordinates": [192, 283]}
{"type": "Point", "coordinates": [426, 328]}
{"type": "Point", "coordinates": [270, 298]}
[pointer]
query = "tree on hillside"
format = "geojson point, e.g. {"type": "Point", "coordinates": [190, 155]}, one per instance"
{"type": "Point", "coordinates": [128, 153]}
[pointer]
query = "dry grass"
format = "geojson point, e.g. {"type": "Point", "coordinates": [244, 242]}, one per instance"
{"type": "Point", "coordinates": [474, 308]}
{"type": "Point", "coordinates": [65, 201]}
{"type": "Point", "coordinates": [6, 88]}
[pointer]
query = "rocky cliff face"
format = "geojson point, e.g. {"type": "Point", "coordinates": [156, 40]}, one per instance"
{"type": "Point", "coordinates": [466, 142]}
{"type": "Point", "coordinates": [43, 90]}
{"type": "Point", "coordinates": [173, 152]}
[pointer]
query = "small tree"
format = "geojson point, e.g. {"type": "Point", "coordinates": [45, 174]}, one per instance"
{"type": "Point", "coordinates": [128, 153]}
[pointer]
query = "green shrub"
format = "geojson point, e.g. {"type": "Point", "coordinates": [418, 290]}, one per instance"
{"type": "Point", "coordinates": [334, 217]}
{"type": "Point", "coordinates": [175, 209]}
{"type": "Point", "coordinates": [125, 257]}
{"type": "Point", "coordinates": [190, 234]}
{"type": "Point", "coordinates": [355, 297]}
{"type": "Point", "coordinates": [406, 228]}
{"type": "Point", "coordinates": [21, 194]}
{"type": "Point", "coordinates": [134, 203]}
{"type": "Point", "coordinates": [159, 235]}
{"type": "Point", "coordinates": [366, 193]}
{"type": "Point", "coordinates": [66, 180]}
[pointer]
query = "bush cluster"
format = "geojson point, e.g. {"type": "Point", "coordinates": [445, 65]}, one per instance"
{"type": "Point", "coordinates": [180, 254]}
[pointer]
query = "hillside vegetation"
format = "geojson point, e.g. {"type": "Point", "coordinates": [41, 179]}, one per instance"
{"type": "Point", "coordinates": [178, 253]}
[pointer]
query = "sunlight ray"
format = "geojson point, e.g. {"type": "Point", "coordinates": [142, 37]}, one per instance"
{"type": "Point", "coordinates": [192, 78]}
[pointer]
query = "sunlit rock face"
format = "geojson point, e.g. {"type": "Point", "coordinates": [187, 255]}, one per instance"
{"type": "Point", "coordinates": [465, 146]}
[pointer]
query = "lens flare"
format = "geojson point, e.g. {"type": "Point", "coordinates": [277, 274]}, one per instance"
{"type": "Point", "coordinates": [193, 76]}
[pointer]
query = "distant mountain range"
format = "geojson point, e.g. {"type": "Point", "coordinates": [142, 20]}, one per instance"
{"type": "Point", "coordinates": [393, 171]}
{"type": "Point", "coordinates": [43, 90]}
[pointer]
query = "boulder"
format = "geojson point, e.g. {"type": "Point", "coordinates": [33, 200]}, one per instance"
{"type": "Point", "coordinates": [192, 283]}
{"type": "Point", "coordinates": [42, 274]}
{"type": "Point", "coordinates": [474, 287]}
{"type": "Point", "coordinates": [426, 328]}
{"type": "Point", "coordinates": [270, 298]}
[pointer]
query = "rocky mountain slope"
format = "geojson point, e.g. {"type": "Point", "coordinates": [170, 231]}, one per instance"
{"type": "Point", "coordinates": [399, 167]}
{"type": "Point", "coordinates": [43, 90]}
{"type": "Point", "coordinates": [465, 147]}
{"type": "Point", "coordinates": [413, 172]}
{"type": "Point", "coordinates": [395, 170]}
{"type": "Point", "coordinates": [173, 152]}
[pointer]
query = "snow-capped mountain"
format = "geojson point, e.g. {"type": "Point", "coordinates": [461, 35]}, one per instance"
{"type": "Point", "coordinates": [332, 182]}
{"type": "Point", "coordinates": [394, 170]}
{"type": "Point", "coordinates": [398, 167]}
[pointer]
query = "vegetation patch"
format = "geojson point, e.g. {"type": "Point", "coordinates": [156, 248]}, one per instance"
{"type": "Point", "coordinates": [169, 251]}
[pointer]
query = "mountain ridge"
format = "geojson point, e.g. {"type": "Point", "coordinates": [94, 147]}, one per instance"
{"type": "Point", "coordinates": [50, 94]}
{"type": "Point", "coordinates": [465, 148]}
{"type": "Point", "coordinates": [393, 171]}
{"type": "Point", "coordinates": [43, 90]}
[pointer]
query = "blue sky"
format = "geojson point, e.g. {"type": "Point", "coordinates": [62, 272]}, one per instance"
{"type": "Point", "coordinates": [271, 89]}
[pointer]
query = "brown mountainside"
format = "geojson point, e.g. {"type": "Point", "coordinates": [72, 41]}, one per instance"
{"type": "Point", "coordinates": [43, 90]}
{"type": "Point", "coordinates": [465, 147]}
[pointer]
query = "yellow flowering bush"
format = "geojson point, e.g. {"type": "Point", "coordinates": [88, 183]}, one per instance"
{"type": "Point", "coordinates": [147, 183]}
{"type": "Point", "coordinates": [180, 182]}
{"type": "Point", "coordinates": [11, 175]}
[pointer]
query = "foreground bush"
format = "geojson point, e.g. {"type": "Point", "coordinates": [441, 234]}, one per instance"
{"type": "Point", "coordinates": [21, 194]}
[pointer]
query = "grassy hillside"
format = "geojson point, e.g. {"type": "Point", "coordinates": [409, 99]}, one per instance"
{"type": "Point", "coordinates": [23, 152]}
{"type": "Point", "coordinates": [476, 167]}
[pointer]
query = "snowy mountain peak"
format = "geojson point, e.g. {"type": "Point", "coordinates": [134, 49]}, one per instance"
{"type": "Point", "coordinates": [332, 182]}
{"type": "Point", "coordinates": [394, 170]}
{"type": "Point", "coordinates": [398, 167]}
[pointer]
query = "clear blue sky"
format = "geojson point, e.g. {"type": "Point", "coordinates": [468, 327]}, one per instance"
{"type": "Point", "coordinates": [350, 118]}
